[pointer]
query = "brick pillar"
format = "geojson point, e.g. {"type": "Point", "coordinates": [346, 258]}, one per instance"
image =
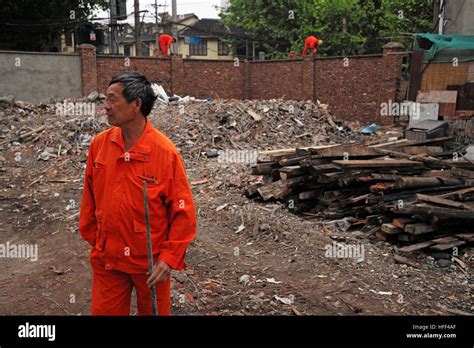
{"type": "Point", "coordinates": [88, 69]}
{"type": "Point", "coordinates": [177, 75]}
{"type": "Point", "coordinates": [307, 72]}
{"type": "Point", "coordinates": [390, 77]}
{"type": "Point", "coordinates": [247, 77]}
{"type": "Point", "coordinates": [416, 73]}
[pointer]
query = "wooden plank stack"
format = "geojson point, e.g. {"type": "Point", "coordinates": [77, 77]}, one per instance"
{"type": "Point", "coordinates": [413, 191]}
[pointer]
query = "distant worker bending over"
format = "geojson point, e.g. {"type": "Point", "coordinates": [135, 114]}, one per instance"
{"type": "Point", "coordinates": [313, 43]}
{"type": "Point", "coordinates": [165, 42]}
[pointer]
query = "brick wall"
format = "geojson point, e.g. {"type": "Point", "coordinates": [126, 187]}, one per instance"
{"type": "Point", "coordinates": [350, 87]}
{"type": "Point", "coordinates": [275, 79]}
{"type": "Point", "coordinates": [218, 79]}
{"type": "Point", "coordinates": [353, 88]}
{"type": "Point", "coordinates": [156, 69]}
{"type": "Point", "coordinates": [88, 68]}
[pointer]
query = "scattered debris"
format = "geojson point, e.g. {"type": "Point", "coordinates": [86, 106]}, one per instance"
{"type": "Point", "coordinates": [336, 179]}
{"type": "Point", "coordinates": [273, 281]}
{"type": "Point", "coordinates": [286, 300]}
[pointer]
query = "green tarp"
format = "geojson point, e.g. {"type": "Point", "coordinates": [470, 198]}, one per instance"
{"type": "Point", "coordinates": [444, 48]}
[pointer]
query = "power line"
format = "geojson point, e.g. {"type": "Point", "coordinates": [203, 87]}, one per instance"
{"type": "Point", "coordinates": [56, 22]}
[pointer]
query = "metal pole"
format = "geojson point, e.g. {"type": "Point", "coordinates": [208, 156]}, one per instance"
{"type": "Point", "coordinates": [156, 15]}
{"type": "Point", "coordinates": [174, 27]}
{"type": "Point", "coordinates": [113, 27]}
{"type": "Point", "coordinates": [441, 17]}
{"type": "Point", "coordinates": [154, 305]}
{"type": "Point", "coordinates": [138, 27]}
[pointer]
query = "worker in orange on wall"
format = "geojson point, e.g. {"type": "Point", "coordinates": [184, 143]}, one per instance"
{"type": "Point", "coordinates": [165, 42]}
{"type": "Point", "coordinates": [313, 43]}
{"type": "Point", "coordinates": [112, 217]}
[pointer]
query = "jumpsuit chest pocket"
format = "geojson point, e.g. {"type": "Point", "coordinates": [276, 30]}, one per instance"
{"type": "Point", "coordinates": [157, 209]}
{"type": "Point", "coordinates": [98, 174]}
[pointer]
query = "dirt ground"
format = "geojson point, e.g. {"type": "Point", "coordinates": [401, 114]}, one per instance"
{"type": "Point", "coordinates": [278, 257]}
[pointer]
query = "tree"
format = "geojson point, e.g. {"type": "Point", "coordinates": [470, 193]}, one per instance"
{"type": "Point", "coordinates": [347, 27]}
{"type": "Point", "coordinates": [31, 25]}
{"type": "Point", "coordinates": [406, 17]}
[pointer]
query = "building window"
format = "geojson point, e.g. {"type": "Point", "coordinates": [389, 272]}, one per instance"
{"type": "Point", "coordinates": [145, 49]}
{"type": "Point", "coordinates": [223, 48]}
{"type": "Point", "coordinates": [69, 38]}
{"type": "Point", "coordinates": [126, 50]}
{"type": "Point", "coordinates": [198, 50]}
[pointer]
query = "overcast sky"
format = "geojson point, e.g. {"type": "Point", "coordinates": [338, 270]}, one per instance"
{"type": "Point", "coordinates": [202, 8]}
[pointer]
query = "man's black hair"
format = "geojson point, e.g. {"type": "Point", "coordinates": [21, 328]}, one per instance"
{"type": "Point", "coordinates": [135, 86]}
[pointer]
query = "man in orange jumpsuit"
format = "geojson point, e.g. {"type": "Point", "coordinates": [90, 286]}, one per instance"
{"type": "Point", "coordinates": [112, 217]}
{"type": "Point", "coordinates": [165, 42]}
{"type": "Point", "coordinates": [313, 43]}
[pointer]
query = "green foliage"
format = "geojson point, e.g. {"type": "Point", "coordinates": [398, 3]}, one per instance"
{"type": "Point", "coordinates": [32, 25]}
{"type": "Point", "coordinates": [347, 27]}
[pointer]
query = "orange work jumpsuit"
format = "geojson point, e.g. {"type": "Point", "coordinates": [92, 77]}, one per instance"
{"type": "Point", "coordinates": [310, 42]}
{"type": "Point", "coordinates": [112, 218]}
{"type": "Point", "coordinates": [165, 42]}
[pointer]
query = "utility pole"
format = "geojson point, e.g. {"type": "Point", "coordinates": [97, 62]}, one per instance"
{"type": "Point", "coordinates": [174, 27]}
{"type": "Point", "coordinates": [113, 27]}
{"type": "Point", "coordinates": [138, 39]}
{"type": "Point", "coordinates": [441, 17]}
{"type": "Point", "coordinates": [156, 15]}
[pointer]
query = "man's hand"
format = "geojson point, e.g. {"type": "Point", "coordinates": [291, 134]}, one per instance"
{"type": "Point", "coordinates": [161, 271]}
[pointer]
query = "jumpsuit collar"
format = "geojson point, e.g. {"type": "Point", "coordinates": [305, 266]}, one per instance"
{"type": "Point", "coordinates": [140, 145]}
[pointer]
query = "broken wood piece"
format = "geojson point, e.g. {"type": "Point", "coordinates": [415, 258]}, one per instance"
{"type": "Point", "coordinates": [441, 201]}
{"type": "Point", "coordinates": [365, 164]}
{"type": "Point", "coordinates": [402, 222]}
{"type": "Point", "coordinates": [457, 195]}
{"type": "Point", "coordinates": [428, 160]}
{"type": "Point", "coordinates": [255, 115]}
{"type": "Point", "coordinates": [391, 143]}
{"type": "Point", "coordinates": [263, 168]}
{"type": "Point", "coordinates": [274, 190]}
{"type": "Point", "coordinates": [308, 194]}
{"type": "Point", "coordinates": [416, 247]}
{"type": "Point", "coordinates": [413, 182]}
{"type": "Point", "coordinates": [440, 213]}
{"type": "Point", "coordinates": [443, 240]}
{"type": "Point", "coordinates": [462, 172]}
{"type": "Point", "coordinates": [199, 182]}
{"type": "Point", "coordinates": [408, 237]}
{"type": "Point", "coordinates": [350, 302]}
{"type": "Point", "coordinates": [419, 228]}
{"type": "Point", "coordinates": [279, 152]}
{"type": "Point", "coordinates": [378, 220]}
{"type": "Point", "coordinates": [460, 263]}
{"type": "Point", "coordinates": [447, 246]}
{"type": "Point", "coordinates": [390, 229]}
{"type": "Point", "coordinates": [24, 135]}
{"type": "Point", "coordinates": [403, 260]}
{"type": "Point", "coordinates": [469, 237]}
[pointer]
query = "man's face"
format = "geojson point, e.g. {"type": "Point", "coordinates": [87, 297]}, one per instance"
{"type": "Point", "coordinates": [118, 110]}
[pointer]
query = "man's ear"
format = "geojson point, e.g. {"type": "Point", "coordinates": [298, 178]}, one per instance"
{"type": "Point", "coordinates": [138, 104]}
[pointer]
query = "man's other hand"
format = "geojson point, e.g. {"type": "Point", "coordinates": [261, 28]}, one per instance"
{"type": "Point", "coordinates": [161, 271]}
